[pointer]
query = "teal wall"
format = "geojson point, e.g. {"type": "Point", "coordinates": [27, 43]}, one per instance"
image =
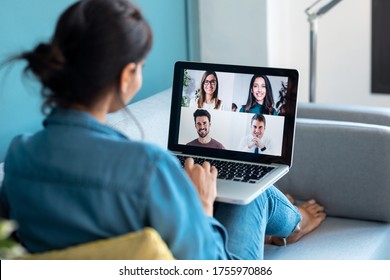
{"type": "Point", "coordinates": [168, 21]}
{"type": "Point", "coordinates": [24, 23]}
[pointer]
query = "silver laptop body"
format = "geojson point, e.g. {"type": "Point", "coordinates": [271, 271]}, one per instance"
{"type": "Point", "coordinates": [244, 171]}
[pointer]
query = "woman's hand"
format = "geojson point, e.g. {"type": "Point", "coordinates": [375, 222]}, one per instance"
{"type": "Point", "coordinates": [204, 178]}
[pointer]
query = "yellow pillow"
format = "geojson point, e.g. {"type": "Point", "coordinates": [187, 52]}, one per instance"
{"type": "Point", "coordinates": [141, 245]}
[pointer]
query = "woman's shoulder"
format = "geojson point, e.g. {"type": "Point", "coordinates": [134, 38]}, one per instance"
{"type": "Point", "coordinates": [109, 153]}
{"type": "Point", "coordinates": [253, 109]}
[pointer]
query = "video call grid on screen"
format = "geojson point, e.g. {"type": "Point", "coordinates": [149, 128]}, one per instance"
{"type": "Point", "coordinates": [228, 127]}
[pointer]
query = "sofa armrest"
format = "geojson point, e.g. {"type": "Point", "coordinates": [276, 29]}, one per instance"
{"type": "Point", "coordinates": [343, 165]}
{"type": "Point", "coordinates": [349, 113]}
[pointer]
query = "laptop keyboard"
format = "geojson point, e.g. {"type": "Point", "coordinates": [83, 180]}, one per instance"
{"type": "Point", "coordinates": [236, 171]}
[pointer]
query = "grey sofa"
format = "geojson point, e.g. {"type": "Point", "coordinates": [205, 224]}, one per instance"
{"type": "Point", "coordinates": [341, 158]}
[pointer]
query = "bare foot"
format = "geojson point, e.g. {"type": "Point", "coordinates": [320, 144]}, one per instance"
{"type": "Point", "coordinates": [312, 216]}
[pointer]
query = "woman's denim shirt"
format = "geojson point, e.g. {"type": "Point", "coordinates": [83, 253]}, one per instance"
{"type": "Point", "coordinates": [78, 180]}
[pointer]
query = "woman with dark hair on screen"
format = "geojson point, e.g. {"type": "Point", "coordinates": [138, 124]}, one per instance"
{"type": "Point", "coordinates": [78, 180]}
{"type": "Point", "coordinates": [208, 93]}
{"type": "Point", "coordinates": [260, 98]}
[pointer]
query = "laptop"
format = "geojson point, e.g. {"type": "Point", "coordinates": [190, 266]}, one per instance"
{"type": "Point", "coordinates": [250, 144]}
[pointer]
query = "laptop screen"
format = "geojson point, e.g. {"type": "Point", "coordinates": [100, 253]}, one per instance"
{"type": "Point", "coordinates": [233, 112]}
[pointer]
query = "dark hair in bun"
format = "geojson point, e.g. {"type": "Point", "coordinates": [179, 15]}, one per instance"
{"type": "Point", "coordinates": [93, 41]}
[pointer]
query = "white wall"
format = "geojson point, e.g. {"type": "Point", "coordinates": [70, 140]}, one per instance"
{"type": "Point", "coordinates": [343, 47]}
{"type": "Point", "coordinates": [233, 31]}
{"type": "Point", "coordinates": [343, 50]}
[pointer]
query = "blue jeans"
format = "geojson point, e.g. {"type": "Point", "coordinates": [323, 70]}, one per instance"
{"type": "Point", "coordinates": [269, 214]}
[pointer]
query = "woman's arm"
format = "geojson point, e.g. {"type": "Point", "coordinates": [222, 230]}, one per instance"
{"type": "Point", "coordinates": [176, 212]}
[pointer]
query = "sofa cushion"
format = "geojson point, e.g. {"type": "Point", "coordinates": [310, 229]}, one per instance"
{"type": "Point", "coordinates": [341, 156]}
{"type": "Point", "coordinates": [142, 245]}
{"type": "Point", "coordinates": [338, 239]}
{"type": "Point", "coordinates": [345, 166]}
{"type": "Point", "coordinates": [152, 115]}
{"type": "Point", "coordinates": [342, 112]}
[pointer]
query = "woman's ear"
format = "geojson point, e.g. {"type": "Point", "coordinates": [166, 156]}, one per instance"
{"type": "Point", "coordinates": [127, 76]}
